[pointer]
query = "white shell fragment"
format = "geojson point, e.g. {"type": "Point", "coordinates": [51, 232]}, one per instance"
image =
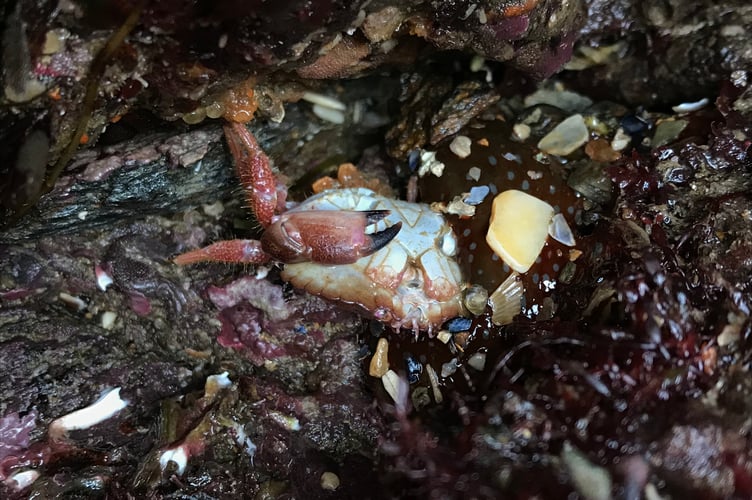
{"type": "Point", "coordinates": [461, 146]}
{"type": "Point", "coordinates": [220, 380]}
{"type": "Point", "coordinates": [242, 439]}
{"type": "Point", "coordinates": [104, 280]}
{"type": "Point", "coordinates": [75, 303]}
{"type": "Point", "coordinates": [518, 228]}
{"type": "Point", "coordinates": [566, 137]}
{"type": "Point", "coordinates": [429, 163]}
{"type": "Point", "coordinates": [621, 140]}
{"type": "Point", "coordinates": [22, 480]}
{"type": "Point", "coordinates": [458, 206]}
{"type": "Point", "coordinates": [323, 100]}
{"type": "Point", "coordinates": [396, 387]}
{"type": "Point", "coordinates": [688, 107]}
{"type": "Point", "coordinates": [178, 456]}
{"type": "Point", "coordinates": [506, 300]}
{"type": "Point", "coordinates": [104, 408]}
{"type": "Point", "coordinates": [329, 114]}
{"type": "Point", "coordinates": [434, 378]}
{"type": "Point", "coordinates": [560, 230]}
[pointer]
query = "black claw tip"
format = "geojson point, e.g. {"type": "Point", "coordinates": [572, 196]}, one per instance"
{"type": "Point", "coordinates": [380, 239]}
{"type": "Point", "coordinates": [373, 216]}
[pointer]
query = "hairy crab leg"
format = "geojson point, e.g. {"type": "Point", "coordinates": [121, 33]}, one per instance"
{"type": "Point", "coordinates": [234, 251]}
{"type": "Point", "coordinates": [319, 236]}
{"type": "Point", "coordinates": [254, 172]}
{"type": "Point", "coordinates": [326, 236]}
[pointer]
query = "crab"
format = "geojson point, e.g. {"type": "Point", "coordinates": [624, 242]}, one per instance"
{"type": "Point", "coordinates": [393, 260]}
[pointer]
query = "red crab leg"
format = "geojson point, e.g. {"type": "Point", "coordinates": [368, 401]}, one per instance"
{"type": "Point", "coordinates": [244, 251]}
{"type": "Point", "coordinates": [326, 236]}
{"type": "Point", "coordinates": [252, 166]}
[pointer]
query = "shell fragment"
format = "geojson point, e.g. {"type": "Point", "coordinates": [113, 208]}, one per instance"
{"type": "Point", "coordinates": [518, 228]}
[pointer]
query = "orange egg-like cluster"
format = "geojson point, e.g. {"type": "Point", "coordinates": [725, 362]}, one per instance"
{"type": "Point", "coordinates": [239, 103]}
{"type": "Point", "coordinates": [348, 176]}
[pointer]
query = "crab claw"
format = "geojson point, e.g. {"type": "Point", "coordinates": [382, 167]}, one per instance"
{"type": "Point", "coordinates": [326, 236]}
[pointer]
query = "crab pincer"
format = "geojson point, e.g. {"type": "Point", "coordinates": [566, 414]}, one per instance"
{"type": "Point", "coordinates": [318, 236]}
{"type": "Point", "coordinates": [326, 236]}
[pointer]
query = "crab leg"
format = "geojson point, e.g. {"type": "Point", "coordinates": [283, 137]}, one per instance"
{"type": "Point", "coordinates": [241, 251]}
{"type": "Point", "coordinates": [256, 176]}
{"type": "Point", "coordinates": [326, 236]}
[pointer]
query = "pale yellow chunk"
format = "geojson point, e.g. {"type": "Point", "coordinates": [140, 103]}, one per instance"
{"type": "Point", "coordinates": [518, 228]}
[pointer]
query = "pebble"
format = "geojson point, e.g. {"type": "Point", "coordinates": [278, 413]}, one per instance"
{"type": "Point", "coordinates": [521, 131]}
{"type": "Point", "coordinates": [329, 481]}
{"type": "Point", "coordinates": [621, 140]}
{"type": "Point", "coordinates": [461, 146]}
{"type": "Point", "coordinates": [473, 173]}
{"type": "Point", "coordinates": [566, 137]}
{"type": "Point", "coordinates": [380, 361]}
{"type": "Point", "coordinates": [420, 397]}
{"type": "Point", "coordinates": [459, 324]}
{"type": "Point", "coordinates": [444, 336]}
{"type": "Point", "coordinates": [563, 99]}
{"type": "Point", "coordinates": [414, 369]}
{"type": "Point", "coordinates": [477, 195]}
{"type": "Point", "coordinates": [54, 41]}
{"type": "Point", "coordinates": [635, 125]}
{"type": "Point", "coordinates": [729, 335]}
{"type": "Point", "coordinates": [475, 299]}
{"type": "Point", "coordinates": [108, 319]}
{"type": "Point", "coordinates": [667, 131]}
{"type": "Point", "coordinates": [601, 150]}
{"type": "Point", "coordinates": [448, 368]}
{"type": "Point", "coordinates": [477, 361]}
